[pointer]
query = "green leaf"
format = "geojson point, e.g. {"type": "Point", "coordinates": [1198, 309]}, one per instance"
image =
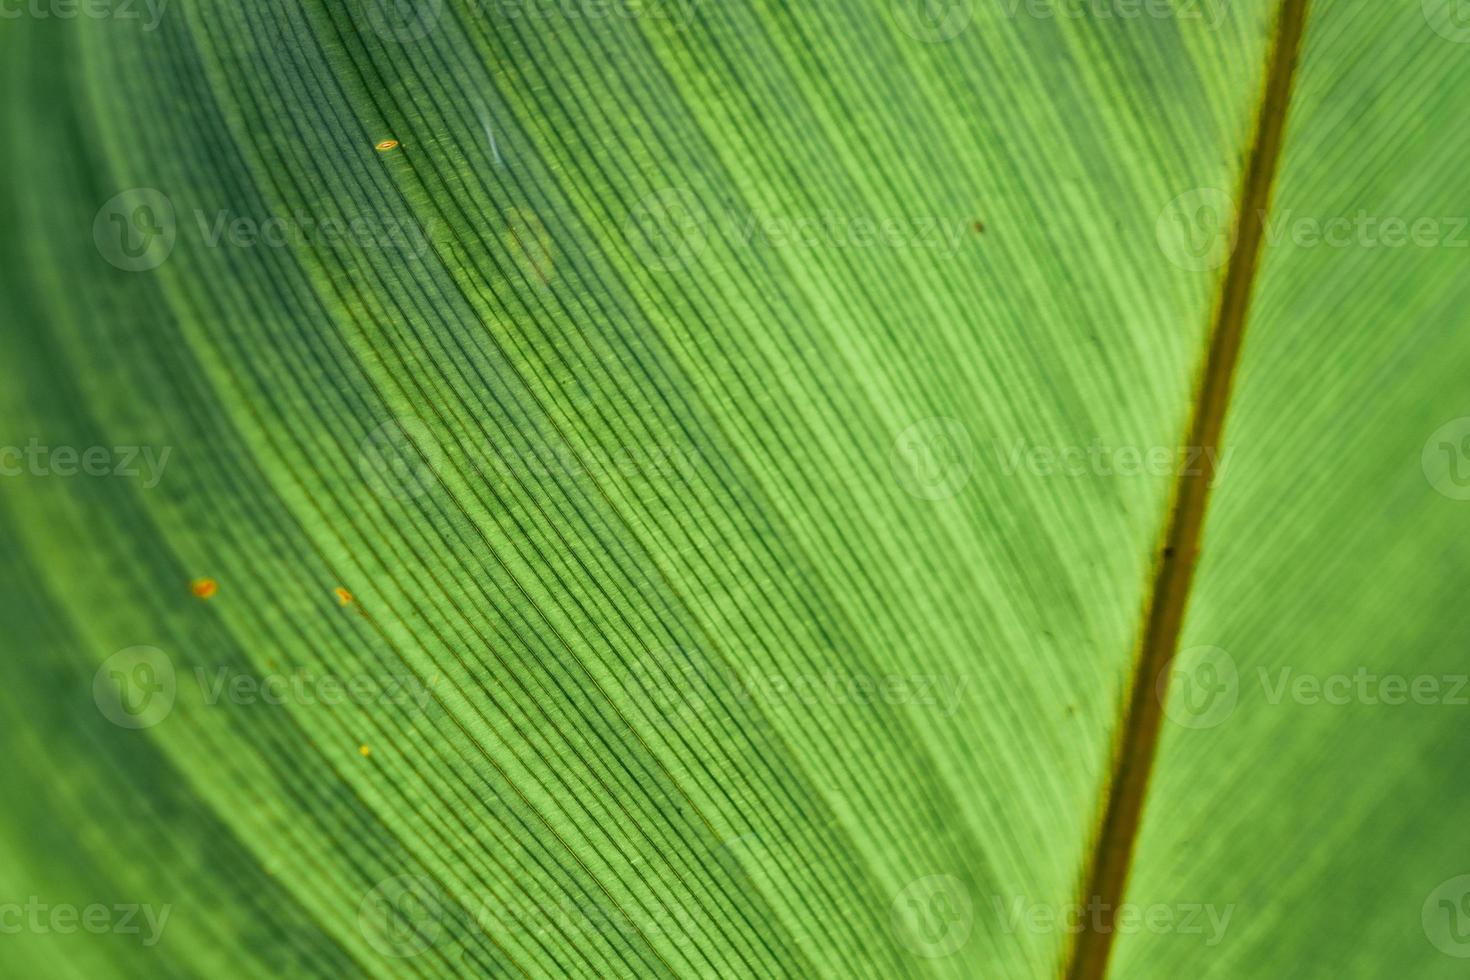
{"type": "Point", "coordinates": [682, 489]}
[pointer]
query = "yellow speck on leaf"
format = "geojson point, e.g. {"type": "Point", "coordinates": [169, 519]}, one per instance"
{"type": "Point", "coordinates": [386, 145]}
{"type": "Point", "coordinates": [343, 596]}
{"type": "Point", "coordinates": [365, 751]}
{"type": "Point", "coordinates": [204, 588]}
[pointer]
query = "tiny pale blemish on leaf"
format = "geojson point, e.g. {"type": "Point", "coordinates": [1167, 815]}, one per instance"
{"type": "Point", "coordinates": [386, 145]}
{"type": "Point", "coordinates": [365, 751]}
{"type": "Point", "coordinates": [204, 588]}
{"type": "Point", "coordinates": [343, 596]}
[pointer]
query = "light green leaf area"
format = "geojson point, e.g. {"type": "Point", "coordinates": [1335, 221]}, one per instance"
{"type": "Point", "coordinates": [1315, 780]}
{"type": "Point", "coordinates": [677, 486]}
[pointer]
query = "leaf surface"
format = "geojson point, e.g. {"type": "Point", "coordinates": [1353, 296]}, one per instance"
{"type": "Point", "coordinates": [673, 490]}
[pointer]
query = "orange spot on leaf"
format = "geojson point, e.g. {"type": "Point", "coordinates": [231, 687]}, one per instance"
{"type": "Point", "coordinates": [204, 588]}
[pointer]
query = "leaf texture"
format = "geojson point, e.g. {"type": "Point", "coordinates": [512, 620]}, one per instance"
{"type": "Point", "coordinates": [650, 490]}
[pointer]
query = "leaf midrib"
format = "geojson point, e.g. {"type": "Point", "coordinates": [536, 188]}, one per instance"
{"type": "Point", "coordinates": [1137, 743]}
